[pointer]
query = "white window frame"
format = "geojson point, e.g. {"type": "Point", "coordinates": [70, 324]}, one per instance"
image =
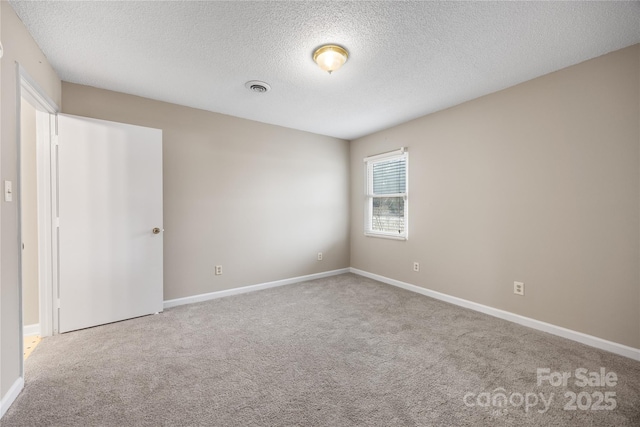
{"type": "Point", "coordinates": [369, 196]}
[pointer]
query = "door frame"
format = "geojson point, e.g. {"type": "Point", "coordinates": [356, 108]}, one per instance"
{"type": "Point", "coordinates": [46, 110]}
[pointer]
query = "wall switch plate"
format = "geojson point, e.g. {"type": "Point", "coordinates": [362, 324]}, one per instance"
{"type": "Point", "coordinates": [518, 288]}
{"type": "Point", "coordinates": [416, 266]}
{"type": "Point", "coordinates": [8, 191]}
{"type": "Point", "coordinates": [319, 256]}
{"type": "Point", "coordinates": [218, 270]}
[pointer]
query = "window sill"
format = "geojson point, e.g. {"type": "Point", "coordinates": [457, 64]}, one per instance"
{"type": "Point", "coordinates": [385, 236]}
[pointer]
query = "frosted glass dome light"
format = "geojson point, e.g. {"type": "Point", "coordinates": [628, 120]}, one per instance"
{"type": "Point", "coordinates": [330, 57]}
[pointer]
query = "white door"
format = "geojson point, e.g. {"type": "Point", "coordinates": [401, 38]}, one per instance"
{"type": "Point", "coordinates": [110, 200]}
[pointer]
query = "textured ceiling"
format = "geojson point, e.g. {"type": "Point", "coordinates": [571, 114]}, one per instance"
{"type": "Point", "coordinates": [407, 59]}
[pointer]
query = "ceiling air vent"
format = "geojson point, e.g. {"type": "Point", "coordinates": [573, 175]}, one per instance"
{"type": "Point", "coordinates": [257, 86]}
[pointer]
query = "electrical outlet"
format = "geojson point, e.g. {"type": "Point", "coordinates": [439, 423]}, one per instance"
{"type": "Point", "coordinates": [416, 266]}
{"type": "Point", "coordinates": [218, 270]}
{"type": "Point", "coordinates": [319, 256]}
{"type": "Point", "coordinates": [518, 288]}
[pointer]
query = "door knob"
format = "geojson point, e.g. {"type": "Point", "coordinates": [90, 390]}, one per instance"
{"type": "Point", "coordinates": [157, 230]}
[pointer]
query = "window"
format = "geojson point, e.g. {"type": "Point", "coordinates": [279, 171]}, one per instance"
{"type": "Point", "coordinates": [386, 204]}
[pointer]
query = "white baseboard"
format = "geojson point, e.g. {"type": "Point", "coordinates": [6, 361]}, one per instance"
{"type": "Point", "coordinates": [622, 350]}
{"type": "Point", "coordinates": [251, 288]}
{"type": "Point", "coordinates": [11, 396]}
{"type": "Point", "coordinates": [31, 330]}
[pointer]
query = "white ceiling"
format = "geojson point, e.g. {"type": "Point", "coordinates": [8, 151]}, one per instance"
{"type": "Point", "coordinates": [407, 59]}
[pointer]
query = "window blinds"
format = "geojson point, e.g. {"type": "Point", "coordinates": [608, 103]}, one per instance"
{"type": "Point", "coordinates": [389, 177]}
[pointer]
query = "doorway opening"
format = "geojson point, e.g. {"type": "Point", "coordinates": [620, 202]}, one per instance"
{"type": "Point", "coordinates": [36, 209]}
{"type": "Point", "coordinates": [29, 226]}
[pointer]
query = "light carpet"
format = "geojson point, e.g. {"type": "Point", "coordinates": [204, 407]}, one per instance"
{"type": "Point", "coordinates": [339, 351]}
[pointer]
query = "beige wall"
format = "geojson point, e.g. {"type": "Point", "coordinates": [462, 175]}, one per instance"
{"type": "Point", "coordinates": [537, 183]}
{"type": "Point", "coordinates": [18, 47]}
{"type": "Point", "coordinates": [29, 214]}
{"type": "Point", "coordinates": [258, 199]}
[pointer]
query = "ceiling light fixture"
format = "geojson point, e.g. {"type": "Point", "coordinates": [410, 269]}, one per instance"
{"type": "Point", "coordinates": [330, 57]}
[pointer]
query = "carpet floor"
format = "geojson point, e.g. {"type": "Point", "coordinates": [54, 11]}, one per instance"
{"type": "Point", "coordinates": [339, 351]}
